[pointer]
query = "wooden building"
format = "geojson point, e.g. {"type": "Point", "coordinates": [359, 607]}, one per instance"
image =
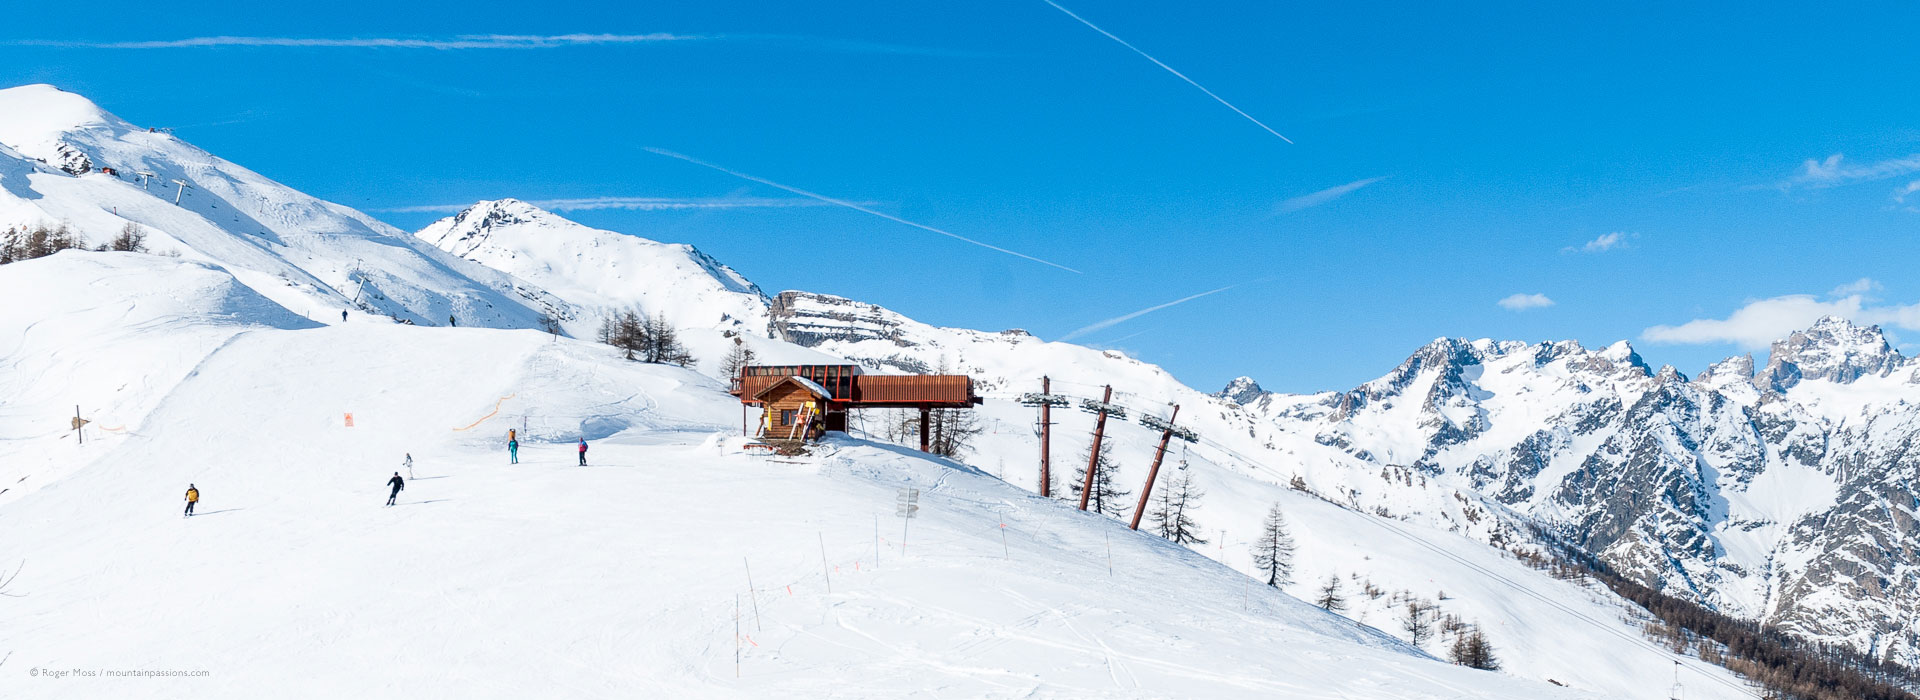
{"type": "Point", "coordinates": [802, 402]}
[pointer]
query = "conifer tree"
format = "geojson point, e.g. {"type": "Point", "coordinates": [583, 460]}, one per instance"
{"type": "Point", "coordinates": [132, 239]}
{"type": "Point", "coordinates": [1106, 497]}
{"type": "Point", "coordinates": [1471, 649]}
{"type": "Point", "coordinates": [1273, 550]}
{"type": "Point", "coordinates": [1418, 623]}
{"type": "Point", "coordinates": [738, 357]}
{"type": "Point", "coordinates": [1330, 598]}
{"type": "Point", "coordinates": [626, 330]}
{"type": "Point", "coordinates": [661, 343]}
{"type": "Point", "coordinates": [1174, 500]}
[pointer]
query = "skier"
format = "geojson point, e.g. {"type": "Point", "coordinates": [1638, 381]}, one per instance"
{"type": "Point", "coordinates": [513, 451]}
{"type": "Point", "coordinates": [409, 465]}
{"type": "Point", "coordinates": [452, 322]}
{"type": "Point", "coordinates": [343, 315]}
{"type": "Point", "coordinates": [583, 452]}
{"type": "Point", "coordinates": [397, 485]}
{"type": "Point", "coordinates": [193, 496]}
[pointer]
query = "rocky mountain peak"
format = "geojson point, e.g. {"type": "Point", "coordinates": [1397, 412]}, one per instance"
{"type": "Point", "coordinates": [1242, 390]}
{"type": "Point", "coordinates": [1733, 370]}
{"type": "Point", "coordinates": [476, 220]}
{"type": "Point", "coordinates": [1832, 349]}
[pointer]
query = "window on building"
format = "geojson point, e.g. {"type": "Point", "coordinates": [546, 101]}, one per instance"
{"type": "Point", "coordinates": [788, 415]}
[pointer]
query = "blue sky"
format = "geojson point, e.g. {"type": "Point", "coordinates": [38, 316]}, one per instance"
{"type": "Point", "coordinates": [1694, 179]}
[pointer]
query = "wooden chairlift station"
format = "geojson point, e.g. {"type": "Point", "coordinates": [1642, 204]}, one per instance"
{"type": "Point", "coordinates": [801, 402]}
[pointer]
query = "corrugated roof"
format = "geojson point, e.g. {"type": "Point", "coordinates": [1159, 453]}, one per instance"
{"type": "Point", "coordinates": [913, 389]}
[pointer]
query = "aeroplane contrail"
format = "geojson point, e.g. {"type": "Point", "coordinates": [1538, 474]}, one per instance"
{"type": "Point", "coordinates": [1117, 320]}
{"type": "Point", "coordinates": [1178, 74]}
{"type": "Point", "coordinates": [853, 206]}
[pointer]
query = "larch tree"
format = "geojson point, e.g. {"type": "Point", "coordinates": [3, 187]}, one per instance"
{"type": "Point", "coordinates": [738, 357]}
{"type": "Point", "coordinates": [132, 239]}
{"type": "Point", "coordinates": [626, 330]}
{"type": "Point", "coordinates": [1107, 496]}
{"type": "Point", "coordinates": [662, 342]}
{"type": "Point", "coordinates": [1273, 550]}
{"type": "Point", "coordinates": [1471, 649]}
{"type": "Point", "coordinates": [1172, 506]}
{"type": "Point", "coordinates": [1418, 623]}
{"type": "Point", "coordinates": [1330, 599]}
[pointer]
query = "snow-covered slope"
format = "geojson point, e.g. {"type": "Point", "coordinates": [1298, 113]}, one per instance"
{"type": "Point", "coordinates": [599, 272]}
{"type": "Point", "coordinates": [1246, 464]}
{"type": "Point", "coordinates": [310, 256]}
{"type": "Point", "coordinates": [621, 579]}
{"type": "Point", "coordinates": [111, 332]}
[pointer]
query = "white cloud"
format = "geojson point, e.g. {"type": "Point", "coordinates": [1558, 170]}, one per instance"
{"type": "Point", "coordinates": [465, 41]}
{"type": "Point", "coordinates": [1308, 201]}
{"type": "Point", "coordinates": [1900, 195]}
{"type": "Point", "coordinates": [1834, 171]}
{"type": "Point", "coordinates": [1757, 324]}
{"type": "Point", "coordinates": [630, 203]}
{"type": "Point", "coordinates": [1602, 244]}
{"type": "Point", "coordinates": [1855, 288]}
{"type": "Point", "coordinates": [1523, 302]}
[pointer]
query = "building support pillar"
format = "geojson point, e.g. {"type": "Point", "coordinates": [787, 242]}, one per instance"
{"type": "Point", "coordinates": [925, 414]}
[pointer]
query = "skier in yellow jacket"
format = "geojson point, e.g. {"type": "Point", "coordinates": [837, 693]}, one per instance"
{"type": "Point", "coordinates": [193, 496]}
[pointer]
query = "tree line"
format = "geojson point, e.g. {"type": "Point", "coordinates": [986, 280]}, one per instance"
{"type": "Point", "coordinates": [19, 243]}
{"type": "Point", "coordinates": [647, 338]}
{"type": "Point", "coordinates": [1787, 667]}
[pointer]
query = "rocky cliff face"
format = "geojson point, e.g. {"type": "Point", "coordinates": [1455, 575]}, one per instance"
{"type": "Point", "coordinates": [1784, 495]}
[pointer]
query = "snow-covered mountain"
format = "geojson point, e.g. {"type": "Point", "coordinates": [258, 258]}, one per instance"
{"type": "Point", "coordinates": [68, 161]}
{"type": "Point", "coordinates": [598, 272]}
{"type": "Point", "coordinates": [1785, 496]}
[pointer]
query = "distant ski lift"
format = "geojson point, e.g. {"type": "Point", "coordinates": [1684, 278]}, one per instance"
{"type": "Point", "coordinates": [1155, 423]}
{"type": "Point", "coordinates": [1112, 409]}
{"type": "Point", "coordinates": [144, 177]}
{"type": "Point", "coordinates": [1038, 399]}
{"type": "Point", "coordinates": [182, 191]}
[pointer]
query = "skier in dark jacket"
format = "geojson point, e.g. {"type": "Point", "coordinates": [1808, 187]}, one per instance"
{"type": "Point", "coordinates": [583, 452]}
{"type": "Point", "coordinates": [397, 485]}
{"type": "Point", "coordinates": [513, 451]}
